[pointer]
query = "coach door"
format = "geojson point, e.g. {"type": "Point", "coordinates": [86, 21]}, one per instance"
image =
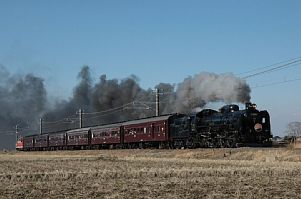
{"type": "Point", "coordinates": [153, 131]}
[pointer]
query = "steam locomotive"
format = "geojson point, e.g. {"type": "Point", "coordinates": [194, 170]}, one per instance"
{"type": "Point", "coordinates": [228, 127]}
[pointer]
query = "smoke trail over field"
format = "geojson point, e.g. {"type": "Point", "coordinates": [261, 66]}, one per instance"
{"type": "Point", "coordinates": [112, 94]}
{"type": "Point", "coordinates": [23, 99]}
{"type": "Point", "coordinates": [22, 102]}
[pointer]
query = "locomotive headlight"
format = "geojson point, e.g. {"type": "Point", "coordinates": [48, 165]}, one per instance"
{"type": "Point", "coordinates": [258, 127]}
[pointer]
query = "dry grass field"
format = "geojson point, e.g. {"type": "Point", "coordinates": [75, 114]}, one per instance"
{"type": "Point", "coordinates": [200, 173]}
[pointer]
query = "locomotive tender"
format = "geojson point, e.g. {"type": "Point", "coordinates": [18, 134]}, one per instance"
{"type": "Point", "coordinates": [228, 127]}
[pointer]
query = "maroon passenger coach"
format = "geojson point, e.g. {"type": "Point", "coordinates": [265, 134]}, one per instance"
{"type": "Point", "coordinates": [151, 131]}
{"type": "Point", "coordinates": [41, 142]}
{"type": "Point", "coordinates": [28, 143]}
{"type": "Point", "coordinates": [78, 138]}
{"type": "Point", "coordinates": [106, 136]}
{"type": "Point", "coordinates": [57, 141]}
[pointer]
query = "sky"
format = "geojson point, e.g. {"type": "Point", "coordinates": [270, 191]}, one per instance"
{"type": "Point", "coordinates": [158, 41]}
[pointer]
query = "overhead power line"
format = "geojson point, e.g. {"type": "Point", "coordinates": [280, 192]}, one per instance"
{"type": "Point", "coordinates": [65, 120]}
{"type": "Point", "coordinates": [283, 66]}
{"type": "Point", "coordinates": [277, 83]}
{"type": "Point", "coordinates": [269, 66]}
{"type": "Point", "coordinates": [98, 116]}
{"type": "Point", "coordinates": [108, 110]}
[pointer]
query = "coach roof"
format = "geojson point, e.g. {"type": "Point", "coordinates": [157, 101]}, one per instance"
{"type": "Point", "coordinates": [106, 126]}
{"type": "Point", "coordinates": [146, 120]}
{"type": "Point", "coordinates": [82, 130]}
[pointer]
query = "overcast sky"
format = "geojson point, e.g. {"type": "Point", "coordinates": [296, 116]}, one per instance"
{"type": "Point", "coordinates": [159, 41]}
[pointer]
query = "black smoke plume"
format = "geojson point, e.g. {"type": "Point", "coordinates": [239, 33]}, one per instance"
{"type": "Point", "coordinates": [114, 100]}
{"type": "Point", "coordinates": [23, 99]}
{"type": "Point", "coordinates": [22, 103]}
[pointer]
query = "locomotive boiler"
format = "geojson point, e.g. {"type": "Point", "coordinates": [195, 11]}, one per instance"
{"type": "Point", "coordinates": [231, 127]}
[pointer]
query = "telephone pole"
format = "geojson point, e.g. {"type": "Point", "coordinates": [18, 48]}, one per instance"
{"type": "Point", "coordinates": [17, 131]}
{"type": "Point", "coordinates": [80, 112]}
{"type": "Point", "coordinates": [41, 126]}
{"type": "Point", "coordinates": [157, 103]}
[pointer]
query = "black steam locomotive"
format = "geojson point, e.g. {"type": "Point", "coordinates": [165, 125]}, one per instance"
{"type": "Point", "coordinates": [228, 127]}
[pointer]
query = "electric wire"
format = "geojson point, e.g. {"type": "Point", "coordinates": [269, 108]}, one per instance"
{"type": "Point", "coordinates": [108, 110]}
{"type": "Point", "coordinates": [276, 83]}
{"type": "Point", "coordinates": [283, 66]}
{"type": "Point", "coordinates": [264, 67]}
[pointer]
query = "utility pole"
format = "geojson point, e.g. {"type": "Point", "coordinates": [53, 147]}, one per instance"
{"type": "Point", "coordinates": [17, 131]}
{"type": "Point", "coordinates": [80, 112]}
{"type": "Point", "coordinates": [157, 102]}
{"type": "Point", "coordinates": [41, 126]}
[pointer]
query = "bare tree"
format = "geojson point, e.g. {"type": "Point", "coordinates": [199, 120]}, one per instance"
{"type": "Point", "coordinates": [294, 129]}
